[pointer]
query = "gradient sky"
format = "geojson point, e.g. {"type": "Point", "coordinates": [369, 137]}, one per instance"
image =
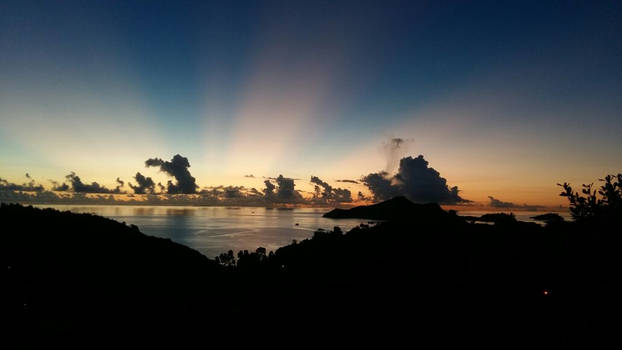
{"type": "Point", "coordinates": [502, 98]}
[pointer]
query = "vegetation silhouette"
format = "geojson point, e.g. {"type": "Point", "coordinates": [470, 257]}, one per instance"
{"type": "Point", "coordinates": [425, 272]}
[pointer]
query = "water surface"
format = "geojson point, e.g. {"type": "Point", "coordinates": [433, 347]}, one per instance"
{"type": "Point", "coordinates": [213, 230]}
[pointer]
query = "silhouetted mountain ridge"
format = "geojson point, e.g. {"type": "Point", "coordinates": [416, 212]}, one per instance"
{"type": "Point", "coordinates": [397, 208]}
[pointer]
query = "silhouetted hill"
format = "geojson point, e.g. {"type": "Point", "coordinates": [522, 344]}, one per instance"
{"type": "Point", "coordinates": [70, 272]}
{"type": "Point", "coordinates": [398, 208]}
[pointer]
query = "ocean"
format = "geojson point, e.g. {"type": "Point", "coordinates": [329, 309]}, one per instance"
{"type": "Point", "coordinates": [214, 230]}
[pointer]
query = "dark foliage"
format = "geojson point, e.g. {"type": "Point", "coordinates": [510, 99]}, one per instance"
{"type": "Point", "coordinates": [602, 204]}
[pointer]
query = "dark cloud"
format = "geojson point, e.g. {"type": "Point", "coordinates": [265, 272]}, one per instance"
{"type": "Point", "coordinates": [145, 184]}
{"type": "Point", "coordinates": [59, 187]}
{"type": "Point", "coordinates": [269, 190]}
{"type": "Point", "coordinates": [177, 168]}
{"type": "Point", "coordinates": [229, 192]}
{"type": "Point", "coordinates": [286, 190]}
{"type": "Point", "coordinates": [250, 176]}
{"type": "Point", "coordinates": [161, 187]}
{"type": "Point", "coordinates": [28, 176]}
{"type": "Point", "coordinates": [78, 186]}
{"type": "Point", "coordinates": [349, 181]}
{"type": "Point", "coordinates": [231, 195]}
{"type": "Point", "coordinates": [30, 186]}
{"type": "Point", "coordinates": [283, 192]}
{"type": "Point", "coordinates": [495, 203]}
{"type": "Point", "coordinates": [325, 193]}
{"type": "Point", "coordinates": [415, 180]}
{"type": "Point", "coordinates": [120, 184]}
{"type": "Point", "coordinates": [327, 188]}
{"type": "Point", "coordinates": [380, 185]}
{"type": "Point", "coordinates": [361, 197]}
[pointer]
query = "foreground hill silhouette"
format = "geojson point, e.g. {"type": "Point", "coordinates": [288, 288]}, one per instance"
{"type": "Point", "coordinates": [68, 272]}
{"type": "Point", "coordinates": [436, 274]}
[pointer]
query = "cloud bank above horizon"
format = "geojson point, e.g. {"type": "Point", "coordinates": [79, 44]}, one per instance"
{"type": "Point", "coordinates": [414, 179]}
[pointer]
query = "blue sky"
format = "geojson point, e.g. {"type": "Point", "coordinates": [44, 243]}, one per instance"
{"type": "Point", "coordinates": [502, 98]}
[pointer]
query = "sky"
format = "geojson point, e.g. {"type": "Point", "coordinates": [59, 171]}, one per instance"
{"type": "Point", "coordinates": [502, 99]}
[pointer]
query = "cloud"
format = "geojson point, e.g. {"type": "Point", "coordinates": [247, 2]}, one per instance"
{"type": "Point", "coordinates": [161, 187]}
{"type": "Point", "coordinates": [415, 180]}
{"type": "Point", "coordinates": [177, 168]}
{"type": "Point", "coordinates": [349, 181]}
{"type": "Point", "coordinates": [395, 149]}
{"type": "Point", "coordinates": [145, 184]}
{"type": "Point", "coordinates": [361, 197]}
{"type": "Point", "coordinates": [78, 186]}
{"type": "Point", "coordinates": [120, 184]}
{"type": "Point", "coordinates": [496, 203]}
{"type": "Point", "coordinates": [30, 186]}
{"type": "Point", "coordinates": [28, 176]}
{"type": "Point", "coordinates": [380, 185]}
{"type": "Point", "coordinates": [250, 176]}
{"type": "Point", "coordinates": [329, 194]}
{"type": "Point", "coordinates": [283, 192]}
{"type": "Point", "coordinates": [59, 187]}
{"type": "Point", "coordinates": [286, 190]}
{"type": "Point", "coordinates": [269, 190]}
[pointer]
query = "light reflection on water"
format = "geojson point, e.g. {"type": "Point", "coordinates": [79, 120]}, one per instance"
{"type": "Point", "coordinates": [213, 230]}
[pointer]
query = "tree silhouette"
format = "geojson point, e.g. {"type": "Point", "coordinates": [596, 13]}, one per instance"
{"type": "Point", "coordinates": [605, 202]}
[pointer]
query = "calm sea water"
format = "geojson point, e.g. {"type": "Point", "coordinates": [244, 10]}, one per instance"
{"type": "Point", "coordinates": [213, 230]}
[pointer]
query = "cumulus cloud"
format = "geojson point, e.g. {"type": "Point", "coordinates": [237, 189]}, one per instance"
{"type": "Point", "coordinates": [59, 187]}
{"type": "Point", "coordinates": [415, 180]}
{"type": "Point", "coordinates": [283, 192]}
{"type": "Point", "coordinates": [381, 185]}
{"type": "Point", "coordinates": [325, 193]}
{"type": "Point", "coordinates": [269, 190]}
{"type": "Point", "coordinates": [77, 185]}
{"type": "Point", "coordinates": [177, 168]}
{"type": "Point", "coordinates": [145, 184]}
{"type": "Point", "coordinates": [30, 186]}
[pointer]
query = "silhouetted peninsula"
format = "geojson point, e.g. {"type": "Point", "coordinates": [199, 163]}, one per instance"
{"type": "Point", "coordinates": [397, 208]}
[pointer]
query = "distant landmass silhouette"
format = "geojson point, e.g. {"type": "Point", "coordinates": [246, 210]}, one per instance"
{"type": "Point", "coordinates": [397, 208]}
{"type": "Point", "coordinates": [548, 217]}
